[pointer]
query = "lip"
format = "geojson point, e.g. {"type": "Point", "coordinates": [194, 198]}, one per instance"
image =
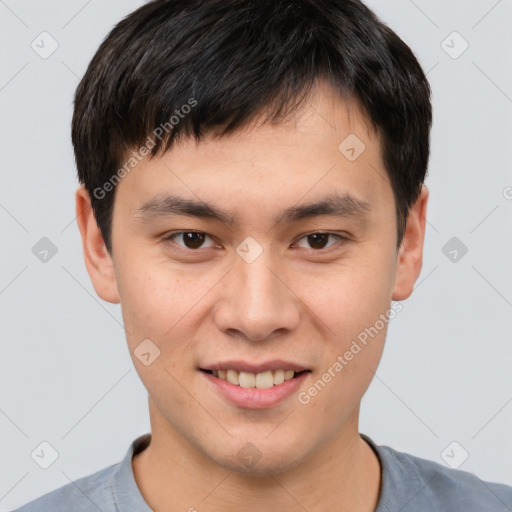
{"type": "Point", "coordinates": [254, 398]}
{"type": "Point", "coordinates": [244, 366]}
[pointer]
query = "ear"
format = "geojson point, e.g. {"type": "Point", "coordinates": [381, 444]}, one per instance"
{"type": "Point", "coordinates": [410, 254]}
{"type": "Point", "coordinates": [97, 259]}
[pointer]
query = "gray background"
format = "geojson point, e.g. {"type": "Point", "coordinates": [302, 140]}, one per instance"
{"type": "Point", "coordinates": [66, 375]}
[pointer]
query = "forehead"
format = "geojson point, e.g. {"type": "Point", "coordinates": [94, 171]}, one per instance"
{"type": "Point", "coordinates": [325, 152]}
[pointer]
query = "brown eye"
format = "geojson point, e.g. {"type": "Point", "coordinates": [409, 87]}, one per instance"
{"type": "Point", "coordinates": [190, 239]}
{"type": "Point", "coordinates": [319, 240]}
{"type": "Point", "coordinates": [193, 240]}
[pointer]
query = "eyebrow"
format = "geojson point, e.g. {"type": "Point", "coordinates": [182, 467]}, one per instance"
{"type": "Point", "coordinates": [344, 205]}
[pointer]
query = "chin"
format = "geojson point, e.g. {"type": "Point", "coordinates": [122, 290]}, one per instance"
{"type": "Point", "coordinates": [263, 468]}
{"type": "Point", "coordinates": [260, 458]}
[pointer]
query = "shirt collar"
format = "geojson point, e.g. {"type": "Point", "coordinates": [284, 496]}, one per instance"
{"type": "Point", "coordinates": [126, 493]}
{"type": "Point", "coordinates": [400, 482]}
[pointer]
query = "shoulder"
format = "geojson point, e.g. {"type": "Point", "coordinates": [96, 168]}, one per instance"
{"type": "Point", "coordinates": [90, 493]}
{"type": "Point", "coordinates": [110, 489]}
{"type": "Point", "coordinates": [418, 484]}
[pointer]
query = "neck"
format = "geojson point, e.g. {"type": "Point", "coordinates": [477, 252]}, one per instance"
{"type": "Point", "coordinates": [344, 474]}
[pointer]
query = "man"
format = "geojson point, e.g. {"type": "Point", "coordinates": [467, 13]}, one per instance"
{"type": "Point", "coordinates": [252, 195]}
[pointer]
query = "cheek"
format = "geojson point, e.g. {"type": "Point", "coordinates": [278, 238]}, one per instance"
{"type": "Point", "coordinates": [350, 299]}
{"type": "Point", "coordinates": [355, 308]}
{"type": "Point", "coordinates": [153, 300]}
{"type": "Point", "coordinates": [340, 383]}
{"type": "Point", "coordinates": [160, 305]}
{"type": "Point", "coordinates": [154, 310]}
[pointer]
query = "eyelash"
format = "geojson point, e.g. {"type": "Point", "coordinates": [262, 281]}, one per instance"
{"type": "Point", "coordinates": [340, 237]}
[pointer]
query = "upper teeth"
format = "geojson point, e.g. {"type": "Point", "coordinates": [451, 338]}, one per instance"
{"type": "Point", "coordinates": [254, 380]}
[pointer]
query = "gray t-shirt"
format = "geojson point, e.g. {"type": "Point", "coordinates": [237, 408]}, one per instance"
{"type": "Point", "coordinates": [409, 484]}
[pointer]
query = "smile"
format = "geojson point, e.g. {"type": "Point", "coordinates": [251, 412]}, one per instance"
{"type": "Point", "coordinates": [262, 380]}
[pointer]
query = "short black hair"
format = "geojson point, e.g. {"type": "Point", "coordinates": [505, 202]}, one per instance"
{"type": "Point", "coordinates": [188, 67]}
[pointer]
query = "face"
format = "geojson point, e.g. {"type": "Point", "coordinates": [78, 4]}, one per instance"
{"type": "Point", "coordinates": [266, 284]}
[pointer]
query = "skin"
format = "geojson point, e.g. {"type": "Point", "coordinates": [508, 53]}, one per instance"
{"type": "Point", "coordinates": [294, 302]}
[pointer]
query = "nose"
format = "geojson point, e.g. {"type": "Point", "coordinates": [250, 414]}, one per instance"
{"type": "Point", "coordinates": [257, 300]}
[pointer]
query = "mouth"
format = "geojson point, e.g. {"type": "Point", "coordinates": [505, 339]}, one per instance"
{"type": "Point", "coordinates": [268, 385]}
{"type": "Point", "coordinates": [262, 380]}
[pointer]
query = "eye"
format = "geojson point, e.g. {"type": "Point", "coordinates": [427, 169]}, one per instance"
{"type": "Point", "coordinates": [319, 240]}
{"type": "Point", "coordinates": [194, 240]}
{"type": "Point", "coordinates": [191, 239]}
